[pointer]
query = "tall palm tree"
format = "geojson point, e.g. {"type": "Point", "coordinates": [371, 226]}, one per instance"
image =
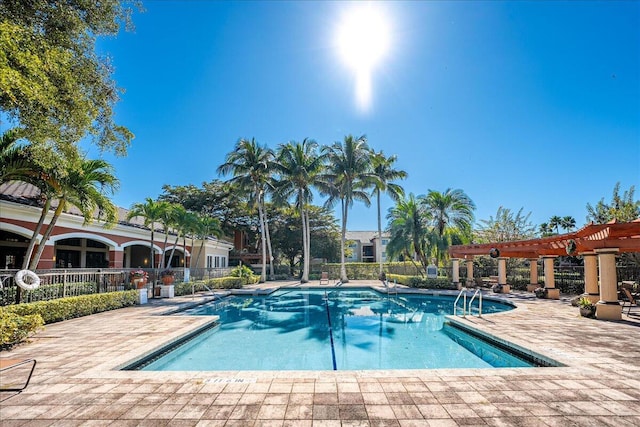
{"type": "Point", "coordinates": [453, 208]}
{"type": "Point", "coordinates": [17, 163]}
{"type": "Point", "coordinates": [167, 219]}
{"type": "Point", "coordinates": [568, 223]}
{"type": "Point", "coordinates": [251, 166]}
{"type": "Point", "coordinates": [180, 220]}
{"type": "Point", "coordinates": [384, 171]}
{"type": "Point", "coordinates": [87, 187]}
{"type": "Point", "coordinates": [151, 213]}
{"type": "Point", "coordinates": [349, 177]}
{"type": "Point", "coordinates": [205, 227]}
{"type": "Point", "coordinates": [545, 230]}
{"type": "Point", "coordinates": [555, 222]}
{"type": "Point", "coordinates": [409, 229]}
{"type": "Point", "coordinates": [299, 166]}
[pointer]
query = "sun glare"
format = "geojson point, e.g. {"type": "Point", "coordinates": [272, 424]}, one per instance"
{"type": "Point", "coordinates": [363, 41]}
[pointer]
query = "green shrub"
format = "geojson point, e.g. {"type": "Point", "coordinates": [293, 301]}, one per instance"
{"type": "Point", "coordinates": [217, 283]}
{"type": "Point", "coordinates": [421, 282]}
{"type": "Point", "coordinates": [241, 271]}
{"type": "Point", "coordinates": [15, 328]}
{"type": "Point", "coordinates": [72, 307]}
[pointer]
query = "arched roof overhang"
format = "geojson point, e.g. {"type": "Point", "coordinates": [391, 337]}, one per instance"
{"type": "Point", "coordinates": [625, 236]}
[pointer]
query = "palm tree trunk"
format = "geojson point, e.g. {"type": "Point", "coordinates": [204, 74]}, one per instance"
{"type": "Point", "coordinates": [151, 253]}
{"type": "Point", "coordinates": [379, 245]}
{"type": "Point", "coordinates": [199, 252]}
{"type": "Point", "coordinates": [47, 234]}
{"type": "Point", "coordinates": [305, 254]}
{"type": "Point", "coordinates": [268, 235]}
{"type": "Point", "coordinates": [343, 268]}
{"type": "Point", "coordinates": [263, 273]}
{"type": "Point", "coordinates": [166, 238]}
{"type": "Point", "coordinates": [172, 250]}
{"type": "Point", "coordinates": [32, 242]}
{"type": "Point", "coordinates": [308, 259]}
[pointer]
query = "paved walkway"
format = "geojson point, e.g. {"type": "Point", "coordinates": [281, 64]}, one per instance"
{"type": "Point", "coordinates": [76, 382]}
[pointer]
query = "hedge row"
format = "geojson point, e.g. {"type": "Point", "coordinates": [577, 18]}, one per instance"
{"type": "Point", "coordinates": [421, 282]}
{"type": "Point", "coordinates": [15, 328]}
{"type": "Point", "coordinates": [72, 307]}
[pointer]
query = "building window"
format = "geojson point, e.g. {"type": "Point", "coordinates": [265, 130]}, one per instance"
{"type": "Point", "coordinates": [217, 265]}
{"type": "Point", "coordinates": [385, 242]}
{"type": "Point", "coordinates": [224, 262]}
{"type": "Point", "coordinates": [209, 261]}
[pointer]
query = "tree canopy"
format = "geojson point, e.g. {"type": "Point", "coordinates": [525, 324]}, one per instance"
{"type": "Point", "coordinates": [52, 81]}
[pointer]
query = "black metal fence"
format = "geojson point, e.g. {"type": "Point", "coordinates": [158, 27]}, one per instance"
{"type": "Point", "coordinates": [60, 283]}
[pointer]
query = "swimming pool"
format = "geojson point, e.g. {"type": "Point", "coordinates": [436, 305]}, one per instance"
{"type": "Point", "coordinates": [346, 329]}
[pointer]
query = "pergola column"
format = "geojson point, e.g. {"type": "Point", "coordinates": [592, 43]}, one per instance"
{"type": "Point", "coordinates": [455, 265]}
{"type": "Point", "coordinates": [469, 263]}
{"type": "Point", "coordinates": [549, 279]}
{"type": "Point", "coordinates": [533, 275]}
{"type": "Point", "coordinates": [502, 275]}
{"type": "Point", "coordinates": [608, 308]}
{"type": "Point", "coordinates": [591, 290]}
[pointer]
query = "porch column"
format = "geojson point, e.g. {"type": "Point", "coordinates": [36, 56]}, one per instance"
{"type": "Point", "coordinates": [455, 265]}
{"type": "Point", "coordinates": [608, 308]}
{"type": "Point", "coordinates": [533, 275]}
{"type": "Point", "coordinates": [470, 281]}
{"type": "Point", "coordinates": [116, 259]}
{"type": "Point", "coordinates": [549, 280]}
{"type": "Point", "coordinates": [591, 290]}
{"type": "Point", "coordinates": [502, 275]}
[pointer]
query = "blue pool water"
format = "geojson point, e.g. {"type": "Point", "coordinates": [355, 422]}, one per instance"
{"type": "Point", "coordinates": [343, 329]}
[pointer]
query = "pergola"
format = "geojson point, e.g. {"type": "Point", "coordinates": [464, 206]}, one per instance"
{"type": "Point", "coordinates": [598, 244]}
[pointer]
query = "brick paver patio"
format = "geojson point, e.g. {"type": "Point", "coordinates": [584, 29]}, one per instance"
{"type": "Point", "coordinates": [76, 382]}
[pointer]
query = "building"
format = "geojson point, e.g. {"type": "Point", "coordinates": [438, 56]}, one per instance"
{"type": "Point", "coordinates": [363, 246]}
{"type": "Point", "coordinates": [75, 245]}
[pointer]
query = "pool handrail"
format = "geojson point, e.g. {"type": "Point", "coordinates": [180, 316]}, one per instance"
{"type": "Point", "coordinates": [476, 293]}
{"type": "Point", "coordinates": [463, 294]}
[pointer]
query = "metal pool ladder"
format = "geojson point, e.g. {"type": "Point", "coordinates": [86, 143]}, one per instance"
{"type": "Point", "coordinates": [466, 307]}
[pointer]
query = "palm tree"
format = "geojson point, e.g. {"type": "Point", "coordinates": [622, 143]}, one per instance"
{"type": "Point", "coordinates": [409, 231]}
{"type": "Point", "coordinates": [349, 176]}
{"type": "Point", "coordinates": [384, 171]}
{"type": "Point", "coordinates": [453, 208]}
{"type": "Point", "coordinates": [299, 166]}
{"type": "Point", "coordinates": [555, 222]}
{"type": "Point", "coordinates": [568, 223]}
{"type": "Point", "coordinates": [84, 187]}
{"type": "Point", "coordinates": [205, 226]}
{"type": "Point", "coordinates": [151, 212]}
{"type": "Point", "coordinates": [179, 218]}
{"type": "Point", "coordinates": [166, 218]}
{"type": "Point", "coordinates": [17, 164]}
{"type": "Point", "coordinates": [545, 230]}
{"type": "Point", "coordinates": [251, 166]}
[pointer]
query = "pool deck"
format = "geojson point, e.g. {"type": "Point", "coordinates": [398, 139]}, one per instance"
{"type": "Point", "coordinates": [76, 381]}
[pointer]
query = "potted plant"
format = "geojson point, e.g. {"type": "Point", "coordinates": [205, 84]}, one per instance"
{"type": "Point", "coordinates": [540, 292]}
{"type": "Point", "coordinates": [138, 278]}
{"type": "Point", "coordinates": [167, 276]}
{"type": "Point", "coordinates": [587, 308]}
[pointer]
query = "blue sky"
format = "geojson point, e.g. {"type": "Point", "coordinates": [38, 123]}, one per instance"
{"type": "Point", "coordinates": [532, 105]}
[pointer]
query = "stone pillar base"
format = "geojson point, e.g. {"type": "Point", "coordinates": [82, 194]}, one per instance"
{"type": "Point", "coordinates": [594, 298]}
{"type": "Point", "coordinates": [606, 311]}
{"type": "Point", "coordinates": [458, 285]}
{"type": "Point", "coordinates": [506, 289]}
{"type": "Point", "coordinates": [553, 293]}
{"type": "Point", "coordinates": [532, 287]}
